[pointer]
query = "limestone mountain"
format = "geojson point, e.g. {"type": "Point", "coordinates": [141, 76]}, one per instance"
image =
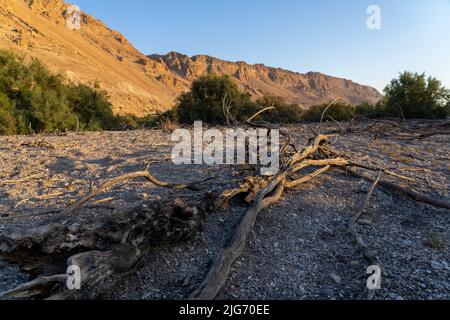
{"type": "Point", "coordinates": [306, 89]}
{"type": "Point", "coordinates": [141, 84]}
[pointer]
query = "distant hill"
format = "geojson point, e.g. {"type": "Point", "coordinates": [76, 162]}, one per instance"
{"type": "Point", "coordinates": [306, 89]}
{"type": "Point", "coordinates": [141, 84]}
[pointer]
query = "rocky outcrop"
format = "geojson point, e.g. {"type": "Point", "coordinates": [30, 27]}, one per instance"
{"type": "Point", "coordinates": [307, 89]}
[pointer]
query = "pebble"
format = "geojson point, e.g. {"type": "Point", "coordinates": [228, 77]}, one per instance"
{"type": "Point", "coordinates": [355, 263]}
{"type": "Point", "coordinates": [407, 243]}
{"type": "Point", "coordinates": [366, 222]}
{"type": "Point", "coordinates": [336, 278]}
{"type": "Point", "coordinates": [436, 265]}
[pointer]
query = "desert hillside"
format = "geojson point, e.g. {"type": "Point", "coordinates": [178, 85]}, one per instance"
{"type": "Point", "coordinates": [306, 89]}
{"type": "Point", "coordinates": [142, 84]}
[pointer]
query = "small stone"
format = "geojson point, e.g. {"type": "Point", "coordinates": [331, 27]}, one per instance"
{"type": "Point", "coordinates": [336, 278]}
{"type": "Point", "coordinates": [366, 222]}
{"type": "Point", "coordinates": [329, 293]}
{"type": "Point", "coordinates": [186, 282]}
{"type": "Point", "coordinates": [436, 265]}
{"type": "Point", "coordinates": [399, 298]}
{"type": "Point", "coordinates": [407, 243]}
{"type": "Point", "coordinates": [300, 291]}
{"type": "Point", "coordinates": [355, 263]}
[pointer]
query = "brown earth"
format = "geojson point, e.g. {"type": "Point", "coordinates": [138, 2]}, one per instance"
{"type": "Point", "coordinates": [142, 84]}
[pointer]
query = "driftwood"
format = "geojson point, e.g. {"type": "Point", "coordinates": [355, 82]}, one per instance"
{"type": "Point", "coordinates": [99, 245]}
{"type": "Point", "coordinates": [26, 179]}
{"type": "Point", "coordinates": [221, 268]}
{"type": "Point", "coordinates": [134, 175]}
{"type": "Point", "coordinates": [266, 197]}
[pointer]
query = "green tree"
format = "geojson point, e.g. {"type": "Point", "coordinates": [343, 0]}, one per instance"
{"type": "Point", "coordinates": [206, 98]}
{"type": "Point", "coordinates": [413, 95]}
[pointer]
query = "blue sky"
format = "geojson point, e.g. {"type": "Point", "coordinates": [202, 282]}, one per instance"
{"type": "Point", "coordinates": [328, 36]}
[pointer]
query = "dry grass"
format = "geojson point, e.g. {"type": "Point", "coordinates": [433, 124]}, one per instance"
{"type": "Point", "coordinates": [436, 242]}
{"type": "Point", "coordinates": [168, 126]}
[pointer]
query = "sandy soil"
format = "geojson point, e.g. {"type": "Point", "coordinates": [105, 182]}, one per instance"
{"type": "Point", "coordinates": [299, 249]}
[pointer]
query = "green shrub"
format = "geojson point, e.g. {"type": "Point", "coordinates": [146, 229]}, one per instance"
{"type": "Point", "coordinates": [370, 111]}
{"type": "Point", "coordinates": [337, 111]}
{"type": "Point", "coordinates": [413, 95]}
{"type": "Point", "coordinates": [32, 96]}
{"type": "Point", "coordinates": [92, 108]}
{"type": "Point", "coordinates": [283, 113]}
{"type": "Point", "coordinates": [206, 99]}
{"type": "Point", "coordinates": [8, 123]}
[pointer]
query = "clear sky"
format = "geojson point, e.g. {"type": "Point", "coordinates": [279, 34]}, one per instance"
{"type": "Point", "coordinates": [329, 36]}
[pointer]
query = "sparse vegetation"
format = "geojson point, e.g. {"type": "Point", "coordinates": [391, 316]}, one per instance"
{"type": "Point", "coordinates": [436, 242]}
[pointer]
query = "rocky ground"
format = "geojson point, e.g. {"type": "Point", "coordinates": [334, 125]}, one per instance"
{"type": "Point", "coordinates": [299, 249]}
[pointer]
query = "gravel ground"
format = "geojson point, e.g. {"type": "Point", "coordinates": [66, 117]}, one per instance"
{"type": "Point", "coordinates": [299, 249]}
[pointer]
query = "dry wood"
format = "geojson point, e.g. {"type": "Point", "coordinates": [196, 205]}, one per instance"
{"type": "Point", "coordinates": [221, 268]}
{"type": "Point", "coordinates": [35, 287]}
{"type": "Point", "coordinates": [140, 174]}
{"type": "Point", "coordinates": [362, 246]}
{"type": "Point", "coordinates": [296, 183]}
{"type": "Point", "coordinates": [113, 243]}
{"type": "Point", "coordinates": [410, 193]}
{"type": "Point", "coordinates": [16, 181]}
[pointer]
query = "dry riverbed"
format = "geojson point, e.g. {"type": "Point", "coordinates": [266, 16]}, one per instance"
{"type": "Point", "coordinates": [299, 249]}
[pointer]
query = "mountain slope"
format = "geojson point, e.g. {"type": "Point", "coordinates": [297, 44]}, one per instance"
{"type": "Point", "coordinates": [139, 84]}
{"type": "Point", "coordinates": [94, 53]}
{"type": "Point", "coordinates": [307, 89]}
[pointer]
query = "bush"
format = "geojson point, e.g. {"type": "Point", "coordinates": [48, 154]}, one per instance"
{"type": "Point", "coordinates": [337, 111]}
{"type": "Point", "coordinates": [205, 101]}
{"type": "Point", "coordinates": [92, 108]}
{"type": "Point", "coordinates": [369, 111]}
{"type": "Point", "coordinates": [283, 113]}
{"type": "Point", "coordinates": [8, 123]}
{"type": "Point", "coordinates": [413, 95]}
{"type": "Point", "coordinates": [31, 95]}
